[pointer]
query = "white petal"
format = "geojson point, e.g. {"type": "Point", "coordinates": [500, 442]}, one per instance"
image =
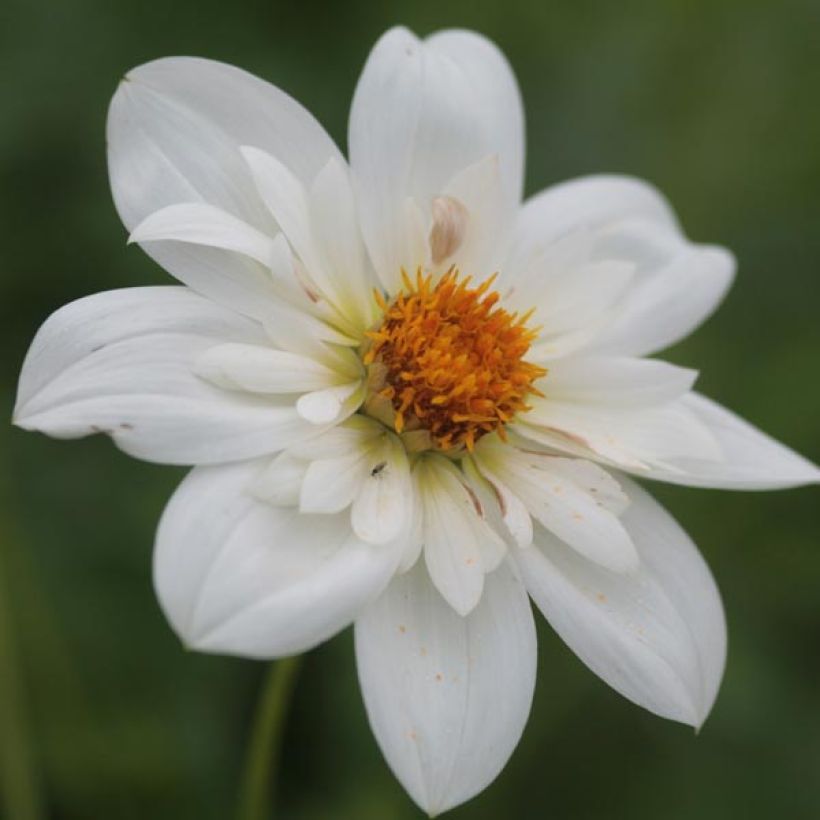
{"type": "Point", "coordinates": [330, 484]}
{"type": "Point", "coordinates": [565, 508]}
{"type": "Point", "coordinates": [570, 289]}
{"type": "Point", "coordinates": [241, 577]}
{"type": "Point", "coordinates": [422, 112]}
{"type": "Point", "coordinates": [592, 479]}
{"type": "Point", "coordinates": [280, 481]}
{"type": "Point", "coordinates": [198, 223]}
{"type": "Point", "coordinates": [750, 460]}
{"type": "Point", "coordinates": [383, 508]}
{"type": "Point", "coordinates": [304, 334]}
{"type": "Point", "coordinates": [514, 514]}
{"type": "Point", "coordinates": [287, 198]}
{"type": "Point", "coordinates": [676, 285]}
{"type": "Point", "coordinates": [454, 530]}
{"type": "Point", "coordinates": [478, 189]}
{"type": "Point", "coordinates": [587, 203]}
{"type": "Point", "coordinates": [505, 514]}
{"type": "Point", "coordinates": [659, 636]}
{"type": "Point", "coordinates": [356, 433]}
{"type": "Point", "coordinates": [174, 130]}
{"type": "Point", "coordinates": [447, 696]}
{"type": "Point", "coordinates": [573, 306]}
{"type": "Point", "coordinates": [331, 404]}
{"type": "Point", "coordinates": [335, 224]}
{"type": "Point", "coordinates": [264, 370]}
{"type": "Point", "coordinates": [616, 381]}
{"type": "Point", "coordinates": [667, 304]}
{"type": "Point", "coordinates": [630, 438]}
{"type": "Point", "coordinates": [122, 363]}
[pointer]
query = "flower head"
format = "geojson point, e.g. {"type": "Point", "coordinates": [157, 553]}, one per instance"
{"type": "Point", "coordinates": [411, 399]}
{"type": "Point", "coordinates": [450, 361]}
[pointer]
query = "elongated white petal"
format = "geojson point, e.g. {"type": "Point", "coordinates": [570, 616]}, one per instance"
{"type": "Point", "coordinates": [174, 130]}
{"type": "Point", "coordinates": [617, 381]}
{"type": "Point", "coordinates": [454, 534]}
{"type": "Point", "coordinates": [495, 493]}
{"type": "Point", "coordinates": [668, 303]}
{"type": "Point", "coordinates": [593, 480]}
{"type": "Point", "coordinates": [573, 306]}
{"type": "Point", "coordinates": [356, 433]}
{"type": "Point", "coordinates": [658, 636]}
{"type": "Point", "coordinates": [447, 696]}
{"type": "Point", "coordinates": [304, 334]}
{"type": "Point", "coordinates": [78, 329]}
{"type": "Point", "coordinates": [264, 370]}
{"type": "Point", "coordinates": [383, 508]}
{"type": "Point", "coordinates": [414, 538]}
{"type": "Point", "coordinates": [242, 577]}
{"type": "Point", "coordinates": [198, 223]}
{"type": "Point", "coordinates": [676, 285]}
{"type": "Point", "coordinates": [631, 438]}
{"type": "Point", "coordinates": [750, 459]}
{"type": "Point", "coordinates": [332, 209]}
{"type": "Point", "coordinates": [478, 190]}
{"type": "Point", "coordinates": [498, 110]}
{"type": "Point", "coordinates": [280, 481]}
{"type": "Point", "coordinates": [567, 509]}
{"type": "Point", "coordinates": [512, 521]}
{"type": "Point", "coordinates": [330, 404]}
{"type": "Point", "coordinates": [422, 112]}
{"type": "Point", "coordinates": [287, 199]}
{"type": "Point", "coordinates": [330, 484]}
{"type": "Point", "coordinates": [569, 287]}
{"type": "Point", "coordinates": [122, 363]}
{"type": "Point", "coordinates": [588, 202]}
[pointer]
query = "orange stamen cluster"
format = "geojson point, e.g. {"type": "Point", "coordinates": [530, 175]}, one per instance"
{"type": "Point", "coordinates": [452, 360]}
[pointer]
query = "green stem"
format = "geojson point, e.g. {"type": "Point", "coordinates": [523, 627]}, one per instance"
{"type": "Point", "coordinates": [262, 759]}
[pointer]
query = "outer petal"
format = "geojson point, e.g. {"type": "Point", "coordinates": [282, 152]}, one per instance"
{"type": "Point", "coordinates": [676, 285]}
{"type": "Point", "coordinates": [617, 381]}
{"type": "Point", "coordinates": [669, 301]}
{"type": "Point", "coordinates": [174, 130]}
{"type": "Point", "coordinates": [422, 112]}
{"type": "Point", "coordinates": [447, 696]}
{"type": "Point", "coordinates": [751, 459]}
{"type": "Point", "coordinates": [659, 636]}
{"type": "Point", "coordinates": [122, 363]}
{"type": "Point", "coordinates": [242, 577]}
{"type": "Point", "coordinates": [587, 203]}
{"type": "Point", "coordinates": [630, 438]}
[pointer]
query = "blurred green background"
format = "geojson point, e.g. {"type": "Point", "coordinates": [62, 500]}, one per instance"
{"type": "Point", "coordinates": [105, 716]}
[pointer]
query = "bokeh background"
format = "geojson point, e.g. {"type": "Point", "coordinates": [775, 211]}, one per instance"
{"type": "Point", "coordinates": [104, 715]}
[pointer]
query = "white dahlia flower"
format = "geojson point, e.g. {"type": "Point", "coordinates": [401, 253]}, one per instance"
{"type": "Point", "coordinates": [411, 399]}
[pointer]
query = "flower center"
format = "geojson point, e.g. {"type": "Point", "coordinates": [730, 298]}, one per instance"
{"type": "Point", "coordinates": [449, 360]}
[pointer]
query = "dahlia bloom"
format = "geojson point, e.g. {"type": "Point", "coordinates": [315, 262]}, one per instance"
{"type": "Point", "coordinates": [411, 400]}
